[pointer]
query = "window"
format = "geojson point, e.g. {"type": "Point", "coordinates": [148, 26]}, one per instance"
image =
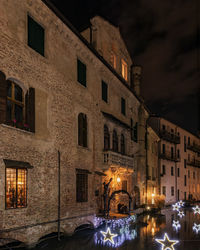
{"type": "Point", "coordinates": [185, 180]}
{"type": "Point", "coordinates": [163, 169]}
{"type": "Point", "coordinates": [172, 152]}
{"type": "Point", "coordinates": [81, 71]}
{"type": "Point", "coordinates": [113, 60]}
{"type": "Point", "coordinates": [106, 138]}
{"type": "Point", "coordinates": [15, 104]}
{"type": "Point", "coordinates": [124, 185]}
{"type": "Point", "coordinates": [164, 190]}
{"type": "Point", "coordinates": [188, 174]}
{"type": "Point", "coordinates": [122, 144]}
{"type": "Point", "coordinates": [132, 130]}
{"type": "Point", "coordinates": [163, 127]}
{"type": "Point", "coordinates": [104, 89]}
{"type": "Point", "coordinates": [193, 175]}
{"type": "Point", "coordinates": [81, 186]}
{"type": "Point", "coordinates": [178, 153]}
{"type": "Point", "coordinates": [163, 148]}
{"type": "Point", "coordinates": [35, 36]}
{"type": "Point", "coordinates": [188, 140]}
{"type": "Point", "coordinates": [135, 132]}
{"type": "Point", "coordinates": [124, 70]}
{"type": "Point", "coordinates": [185, 146]}
{"type": "Point", "coordinates": [82, 130]}
{"type": "Point", "coordinates": [178, 172]}
{"type": "Point", "coordinates": [123, 106]}
{"type": "Point", "coordinates": [185, 163]}
{"type": "Point", "coordinates": [185, 196]}
{"type": "Point", "coordinates": [172, 191]}
{"type": "Point", "coordinates": [115, 141]}
{"type": "Point", "coordinates": [16, 188]}
{"type": "Point", "coordinates": [172, 171]}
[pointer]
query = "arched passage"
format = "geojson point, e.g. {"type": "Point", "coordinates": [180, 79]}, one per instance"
{"type": "Point", "coordinates": [117, 192]}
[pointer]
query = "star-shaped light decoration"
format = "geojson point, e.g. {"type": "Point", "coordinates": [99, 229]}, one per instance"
{"type": "Point", "coordinates": [108, 236]}
{"type": "Point", "coordinates": [196, 209]}
{"type": "Point", "coordinates": [181, 214]}
{"type": "Point", "coordinates": [196, 228]}
{"type": "Point", "coordinates": [176, 207]}
{"type": "Point", "coordinates": [176, 224]}
{"type": "Point", "coordinates": [166, 243]}
{"type": "Point", "coordinates": [181, 203]}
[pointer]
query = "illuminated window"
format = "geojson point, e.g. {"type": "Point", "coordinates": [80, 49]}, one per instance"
{"type": "Point", "coordinates": [124, 70]}
{"type": "Point", "coordinates": [113, 60]}
{"type": "Point", "coordinates": [16, 188]}
{"type": "Point", "coordinates": [81, 186]}
{"type": "Point", "coordinates": [15, 104]}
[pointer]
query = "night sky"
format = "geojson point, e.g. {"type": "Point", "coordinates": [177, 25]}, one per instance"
{"type": "Point", "coordinates": [162, 37]}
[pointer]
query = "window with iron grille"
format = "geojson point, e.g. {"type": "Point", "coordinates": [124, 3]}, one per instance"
{"type": "Point", "coordinates": [82, 130]}
{"type": "Point", "coordinates": [36, 35]}
{"type": "Point", "coordinates": [16, 188]}
{"type": "Point", "coordinates": [124, 185]}
{"type": "Point", "coordinates": [81, 186]}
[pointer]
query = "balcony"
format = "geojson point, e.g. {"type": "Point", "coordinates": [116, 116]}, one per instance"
{"type": "Point", "coordinates": [194, 147]}
{"type": "Point", "coordinates": [169, 137]}
{"type": "Point", "coordinates": [168, 156]}
{"type": "Point", "coordinates": [194, 163]}
{"type": "Point", "coordinates": [114, 158]}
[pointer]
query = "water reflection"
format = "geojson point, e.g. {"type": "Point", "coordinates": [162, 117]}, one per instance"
{"type": "Point", "coordinates": [138, 236]}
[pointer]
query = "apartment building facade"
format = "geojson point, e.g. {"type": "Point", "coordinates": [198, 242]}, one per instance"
{"type": "Point", "coordinates": [179, 166]}
{"type": "Point", "coordinates": [69, 121]}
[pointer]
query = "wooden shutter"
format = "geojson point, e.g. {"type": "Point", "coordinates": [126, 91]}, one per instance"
{"type": "Point", "coordinates": [81, 70]}
{"type": "Point", "coordinates": [31, 109]}
{"type": "Point", "coordinates": [3, 97]}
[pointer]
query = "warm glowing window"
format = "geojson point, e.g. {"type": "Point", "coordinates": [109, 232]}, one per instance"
{"type": "Point", "coordinates": [114, 60]}
{"type": "Point", "coordinates": [124, 70]}
{"type": "Point", "coordinates": [15, 103]}
{"type": "Point", "coordinates": [16, 194]}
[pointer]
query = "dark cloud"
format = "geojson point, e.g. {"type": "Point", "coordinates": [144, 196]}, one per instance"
{"type": "Point", "coordinates": [161, 36]}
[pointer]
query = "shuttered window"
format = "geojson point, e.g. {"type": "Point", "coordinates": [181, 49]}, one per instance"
{"type": "Point", "coordinates": [81, 73]}
{"type": "Point", "coordinates": [82, 130]}
{"type": "Point", "coordinates": [81, 186]}
{"type": "Point", "coordinates": [123, 106]}
{"type": "Point", "coordinates": [36, 35]}
{"type": "Point", "coordinates": [104, 89]}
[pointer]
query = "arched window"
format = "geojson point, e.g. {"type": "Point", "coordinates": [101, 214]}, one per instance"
{"type": "Point", "coordinates": [82, 130]}
{"type": "Point", "coordinates": [115, 141]}
{"type": "Point", "coordinates": [15, 104]}
{"type": "Point", "coordinates": [122, 144]}
{"type": "Point", "coordinates": [106, 138]}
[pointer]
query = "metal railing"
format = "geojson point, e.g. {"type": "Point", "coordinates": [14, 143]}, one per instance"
{"type": "Point", "coordinates": [193, 162]}
{"type": "Point", "coordinates": [169, 156]}
{"type": "Point", "coordinates": [194, 147]}
{"type": "Point", "coordinates": [169, 136]}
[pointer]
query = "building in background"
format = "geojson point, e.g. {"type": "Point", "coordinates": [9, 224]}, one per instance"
{"type": "Point", "coordinates": [179, 161]}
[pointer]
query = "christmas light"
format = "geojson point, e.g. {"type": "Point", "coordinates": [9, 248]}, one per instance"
{"type": "Point", "coordinates": [196, 210]}
{"type": "Point", "coordinates": [176, 224]}
{"type": "Point", "coordinates": [181, 214]}
{"type": "Point", "coordinates": [166, 243]}
{"type": "Point", "coordinates": [108, 236]}
{"type": "Point", "coordinates": [196, 228]}
{"type": "Point", "coordinates": [176, 207]}
{"type": "Point", "coordinates": [181, 203]}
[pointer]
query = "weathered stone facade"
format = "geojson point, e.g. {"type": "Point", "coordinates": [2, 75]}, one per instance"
{"type": "Point", "coordinates": [59, 99]}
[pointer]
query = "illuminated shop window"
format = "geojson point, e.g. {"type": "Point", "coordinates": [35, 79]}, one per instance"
{"type": "Point", "coordinates": [16, 188]}
{"type": "Point", "coordinates": [124, 70]}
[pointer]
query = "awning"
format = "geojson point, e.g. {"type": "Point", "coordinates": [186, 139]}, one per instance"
{"type": "Point", "coordinates": [17, 164]}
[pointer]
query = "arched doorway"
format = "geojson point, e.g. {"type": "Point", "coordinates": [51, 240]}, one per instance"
{"type": "Point", "coordinates": [117, 192]}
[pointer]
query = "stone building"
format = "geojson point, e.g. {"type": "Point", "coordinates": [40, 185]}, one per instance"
{"type": "Point", "coordinates": [70, 119]}
{"type": "Point", "coordinates": [179, 161]}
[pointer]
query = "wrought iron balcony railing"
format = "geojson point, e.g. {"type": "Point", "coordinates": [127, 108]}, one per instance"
{"type": "Point", "coordinates": [114, 158]}
{"type": "Point", "coordinates": [165, 135]}
{"type": "Point", "coordinates": [194, 147]}
{"type": "Point", "coordinates": [194, 163]}
{"type": "Point", "coordinates": [170, 157]}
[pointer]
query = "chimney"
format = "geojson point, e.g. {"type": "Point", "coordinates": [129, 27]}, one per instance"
{"type": "Point", "coordinates": [136, 77]}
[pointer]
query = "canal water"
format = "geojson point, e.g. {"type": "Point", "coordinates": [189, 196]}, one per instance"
{"type": "Point", "coordinates": [138, 236]}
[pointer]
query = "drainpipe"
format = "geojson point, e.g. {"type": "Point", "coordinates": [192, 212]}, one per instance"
{"type": "Point", "coordinates": [58, 195]}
